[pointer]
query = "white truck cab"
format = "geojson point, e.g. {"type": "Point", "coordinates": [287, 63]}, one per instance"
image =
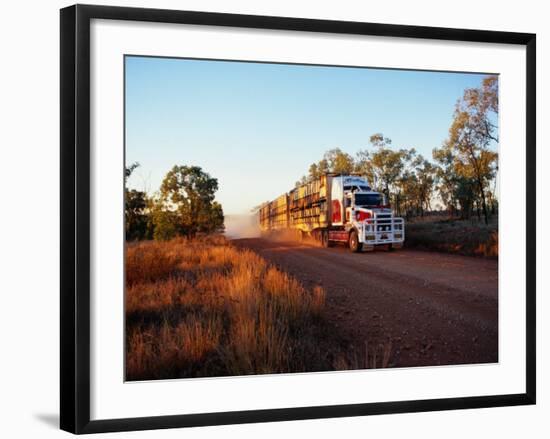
{"type": "Point", "coordinates": [364, 214]}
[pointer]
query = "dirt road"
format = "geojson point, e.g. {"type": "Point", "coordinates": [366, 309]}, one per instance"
{"type": "Point", "coordinates": [432, 308]}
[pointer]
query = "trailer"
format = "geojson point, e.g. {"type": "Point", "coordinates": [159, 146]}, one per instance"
{"type": "Point", "coordinates": [335, 208]}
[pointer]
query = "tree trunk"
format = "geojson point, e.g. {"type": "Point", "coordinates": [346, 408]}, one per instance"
{"type": "Point", "coordinates": [480, 184]}
{"type": "Point", "coordinates": [484, 203]}
{"type": "Point", "coordinates": [483, 200]}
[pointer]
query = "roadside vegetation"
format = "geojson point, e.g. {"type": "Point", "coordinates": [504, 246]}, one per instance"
{"type": "Point", "coordinates": [202, 307]}
{"type": "Point", "coordinates": [470, 237]}
{"type": "Point", "coordinates": [184, 205]}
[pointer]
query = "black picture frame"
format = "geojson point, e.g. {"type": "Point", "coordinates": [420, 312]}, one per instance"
{"type": "Point", "coordinates": [75, 217]}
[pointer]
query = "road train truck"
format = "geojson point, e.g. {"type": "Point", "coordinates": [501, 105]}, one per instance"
{"type": "Point", "coordinates": [335, 208]}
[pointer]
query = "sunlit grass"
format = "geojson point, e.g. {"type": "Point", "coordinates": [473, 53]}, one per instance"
{"type": "Point", "coordinates": [205, 308]}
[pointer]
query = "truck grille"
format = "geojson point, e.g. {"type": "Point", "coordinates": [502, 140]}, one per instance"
{"type": "Point", "coordinates": [383, 223]}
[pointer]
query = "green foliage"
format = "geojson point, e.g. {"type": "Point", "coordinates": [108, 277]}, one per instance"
{"type": "Point", "coordinates": [186, 205]}
{"type": "Point", "coordinates": [384, 167]}
{"type": "Point", "coordinates": [403, 175]}
{"type": "Point", "coordinates": [468, 164]}
{"type": "Point", "coordinates": [136, 216]}
{"type": "Point", "coordinates": [164, 223]}
{"type": "Point", "coordinates": [415, 186]}
{"type": "Point", "coordinates": [338, 161]}
{"type": "Point", "coordinates": [334, 160]}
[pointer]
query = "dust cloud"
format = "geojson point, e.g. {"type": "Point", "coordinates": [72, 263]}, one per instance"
{"type": "Point", "coordinates": [242, 226]}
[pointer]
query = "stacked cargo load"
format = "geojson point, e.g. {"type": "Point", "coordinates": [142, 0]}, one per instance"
{"type": "Point", "coordinates": [308, 205]}
{"type": "Point", "coordinates": [275, 214]}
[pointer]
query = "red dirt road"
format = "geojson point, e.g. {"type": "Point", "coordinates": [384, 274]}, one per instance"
{"type": "Point", "coordinates": [433, 308]}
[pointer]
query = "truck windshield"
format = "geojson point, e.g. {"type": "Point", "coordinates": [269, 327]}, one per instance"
{"type": "Point", "coordinates": [368, 200]}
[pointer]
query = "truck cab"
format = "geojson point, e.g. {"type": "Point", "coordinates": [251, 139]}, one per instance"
{"type": "Point", "coordinates": [368, 219]}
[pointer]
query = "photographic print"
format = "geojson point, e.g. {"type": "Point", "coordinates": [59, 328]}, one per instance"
{"type": "Point", "coordinates": [285, 218]}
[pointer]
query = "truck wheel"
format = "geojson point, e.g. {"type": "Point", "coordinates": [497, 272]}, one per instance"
{"type": "Point", "coordinates": [324, 239]}
{"type": "Point", "coordinates": [354, 244]}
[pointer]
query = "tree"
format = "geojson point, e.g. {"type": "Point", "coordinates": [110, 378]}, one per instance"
{"type": "Point", "coordinates": [186, 205]}
{"type": "Point", "coordinates": [471, 134]}
{"type": "Point", "coordinates": [425, 175]}
{"type": "Point", "coordinates": [338, 161]}
{"type": "Point", "coordinates": [445, 177]}
{"type": "Point", "coordinates": [457, 191]}
{"type": "Point", "coordinates": [384, 167]}
{"type": "Point", "coordinates": [415, 186]}
{"type": "Point", "coordinates": [334, 160]}
{"type": "Point", "coordinates": [136, 215]}
{"type": "Point", "coordinates": [135, 209]}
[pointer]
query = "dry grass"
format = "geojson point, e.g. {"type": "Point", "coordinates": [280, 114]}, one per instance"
{"type": "Point", "coordinates": [205, 308]}
{"type": "Point", "coordinates": [466, 237]}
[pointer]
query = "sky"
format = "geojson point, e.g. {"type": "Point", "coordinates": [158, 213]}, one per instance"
{"type": "Point", "coordinates": [257, 127]}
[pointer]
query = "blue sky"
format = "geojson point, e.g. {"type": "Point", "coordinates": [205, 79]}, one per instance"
{"type": "Point", "coordinates": [257, 127]}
